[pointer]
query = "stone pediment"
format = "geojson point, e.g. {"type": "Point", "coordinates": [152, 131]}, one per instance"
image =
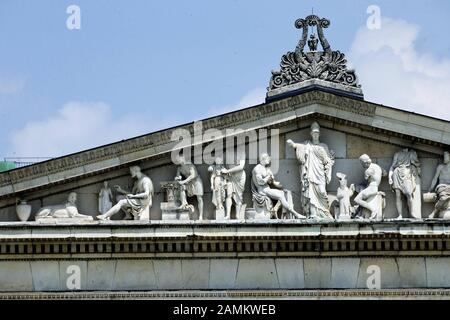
{"type": "Point", "coordinates": [348, 190]}
{"type": "Point", "coordinates": [347, 113]}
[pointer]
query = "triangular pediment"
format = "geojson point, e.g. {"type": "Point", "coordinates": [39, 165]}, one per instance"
{"type": "Point", "coordinates": [346, 114]}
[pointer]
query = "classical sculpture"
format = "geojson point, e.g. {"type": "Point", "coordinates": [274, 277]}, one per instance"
{"type": "Point", "coordinates": [66, 210]}
{"type": "Point", "coordinates": [370, 199]}
{"type": "Point", "coordinates": [312, 42]}
{"type": "Point", "coordinates": [404, 179]}
{"type": "Point", "coordinates": [136, 203]}
{"type": "Point", "coordinates": [265, 189]}
{"type": "Point", "coordinates": [442, 191]}
{"type": "Point", "coordinates": [235, 188]}
{"type": "Point", "coordinates": [316, 163]}
{"type": "Point", "coordinates": [219, 186]}
{"type": "Point", "coordinates": [105, 198]}
{"type": "Point", "coordinates": [175, 206]}
{"type": "Point", "coordinates": [299, 66]}
{"type": "Point", "coordinates": [344, 193]}
{"type": "Point", "coordinates": [192, 184]}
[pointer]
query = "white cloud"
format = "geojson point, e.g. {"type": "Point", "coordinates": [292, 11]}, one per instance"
{"type": "Point", "coordinates": [392, 71]}
{"type": "Point", "coordinates": [76, 126]}
{"type": "Point", "coordinates": [11, 86]}
{"type": "Point", "coordinates": [251, 98]}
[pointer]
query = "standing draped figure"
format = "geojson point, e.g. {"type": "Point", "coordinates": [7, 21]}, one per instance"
{"type": "Point", "coordinates": [105, 198]}
{"type": "Point", "coordinates": [316, 163]}
{"type": "Point", "coordinates": [404, 179]}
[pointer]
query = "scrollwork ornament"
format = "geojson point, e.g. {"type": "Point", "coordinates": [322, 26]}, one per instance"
{"type": "Point", "coordinates": [325, 65]}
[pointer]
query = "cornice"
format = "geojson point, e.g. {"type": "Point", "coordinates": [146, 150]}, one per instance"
{"type": "Point", "coordinates": [129, 240]}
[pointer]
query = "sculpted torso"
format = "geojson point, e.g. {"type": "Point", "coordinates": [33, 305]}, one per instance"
{"type": "Point", "coordinates": [188, 169]}
{"type": "Point", "coordinates": [373, 175]}
{"type": "Point", "coordinates": [261, 172]}
{"type": "Point", "coordinates": [144, 184]}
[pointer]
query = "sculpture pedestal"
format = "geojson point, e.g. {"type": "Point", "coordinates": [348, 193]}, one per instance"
{"type": "Point", "coordinates": [176, 215]}
{"type": "Point", "coordinates": [252, 214]}
{"type": "Point", "coordinates": [173, 209]}
{"type": "Point", "coordinates": [220, 214]}
{"type": "Point", "coordinates": [75, 220]}
{"type": "Point", "coordinates": [346, 217]}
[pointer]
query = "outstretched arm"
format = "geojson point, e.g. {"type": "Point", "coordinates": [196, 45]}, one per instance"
{"type": "Point", "coordinates": [237, 168]}
{"type": "Point", "coordinates": [120, 190]}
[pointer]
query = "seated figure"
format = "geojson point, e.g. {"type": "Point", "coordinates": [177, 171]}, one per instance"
{"type": "Point", "coordinates": [136, 204]}
{"type": "Point", "coordinates": [441, 181]}
{"type": "Point", "coordinates": [370, 201]}
{"type": "Point", "coordinates": [265, 189]}
{"type": "Point", "coordinates": [66, 210]}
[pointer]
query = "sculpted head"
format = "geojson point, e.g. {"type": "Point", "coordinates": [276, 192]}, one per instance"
{"type": "Point", "coordinates": [180, 160]}
{"type": "Point", "coordinates": [72, 198]}
{"type": "Point", "coordinates": [218, 161]}
{"type": "Point", "coordinates": [365, 161]}
{"type": "Point", "coordinates": [446, 157]}
{"type": "Point", "coordinates": [264, 159]}
{"type": "Point", "coordinates": [135, 171]}
{"type": "Point", "coordinates": [342, 179]}
{"type": "Point", "coordinates": [315, 132]}
{"type": "Point", "coordinates": [105, 184]}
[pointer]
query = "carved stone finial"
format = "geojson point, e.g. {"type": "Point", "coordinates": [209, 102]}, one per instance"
{"type": "Point", "coordinates": [326, 68]}
{"type": "Point", "coordinates": [312, 42]}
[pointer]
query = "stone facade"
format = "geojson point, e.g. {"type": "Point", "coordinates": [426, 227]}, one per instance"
{"type": "Point", "coordinates": [223, 256]}
{"type": "Point", "coordinates": [285, 258]}
{"type": "Point", "coordinates": [348, 143]}
{"type": "Point", "coordinates": [322, 127]}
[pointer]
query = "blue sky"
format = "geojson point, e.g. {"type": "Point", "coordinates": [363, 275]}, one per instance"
{"type": "Point", "coordinates": [137, 66]}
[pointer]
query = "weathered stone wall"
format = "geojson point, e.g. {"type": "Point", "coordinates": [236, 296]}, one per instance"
{"type": "Point", "coordinates": [229, 273]}
{"type": "Point", "coordinates": [286, 255]}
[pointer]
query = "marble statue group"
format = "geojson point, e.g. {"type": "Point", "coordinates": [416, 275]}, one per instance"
{"type": "Point", "coordinates": [270, 199]}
